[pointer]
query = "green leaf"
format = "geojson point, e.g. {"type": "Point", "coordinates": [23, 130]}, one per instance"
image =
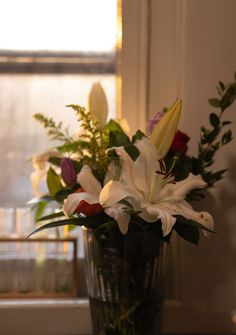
{"type": "Point", "coordinates": [55, 161]}
{"type": "Point", "coordinates": [214, 120]}
{"type": "Point", "coordinates": [53, 182]}
{"type": "Point", "coordinates": [227, 137]}
{"type": "Point", "coordinates": [50, 216]}
{"type": "Point", "coordinates": [138, 136]}
{"type": "Point", "coordinates": [192, 223]}
{"type": "Point", "coordinates": [132, 151]}
{"type": "Point", "coordinates": [89, 222]}
{"type": "Point", "coordinates": [222, 86]}
{"type": "Point", "coordinates": [225, 123]}
{"type": "Point", "coordinates": [209, 137]}
{"type": "Point", "coordinates": [66, 222]}
{"type": "Point", "coordinates": [117, 136]}
{"type": "Point", "coordinates": [214, 102]}
{"type": "Point", "coordinates": [40, 207]}
{"type": "Point", "coordinates": [188, 233]}
{"type": "Point", "coordinates": [218, 174]}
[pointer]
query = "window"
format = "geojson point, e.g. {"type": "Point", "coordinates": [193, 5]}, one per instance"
{"type": "Point", "coordinates": [50, 55]}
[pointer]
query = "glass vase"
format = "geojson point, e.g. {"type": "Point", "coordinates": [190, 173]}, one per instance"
{"type": "Point", "coordinates": [125, 281]}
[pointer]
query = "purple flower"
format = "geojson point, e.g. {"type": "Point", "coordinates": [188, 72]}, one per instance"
{"type": "Point", "coordinates": [154, 121]}
{"type": "Point", "coordinates": [68, 172]}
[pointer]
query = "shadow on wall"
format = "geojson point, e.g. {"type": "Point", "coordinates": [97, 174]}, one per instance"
{"type": "Point", "coordinates": [211, 266]}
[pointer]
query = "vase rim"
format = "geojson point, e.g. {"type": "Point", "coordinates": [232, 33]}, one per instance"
{"type": "Point", "coordinates": [115, 232]}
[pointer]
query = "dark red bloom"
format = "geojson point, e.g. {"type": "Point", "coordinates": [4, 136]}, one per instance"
{"type": "Point", "coordinates": [179, 144]}
{"type": "Point", "coordinates": [88, 209]}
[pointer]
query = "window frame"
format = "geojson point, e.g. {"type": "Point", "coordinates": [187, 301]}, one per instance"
{"type": "Point", "coordinates": [57, 62]}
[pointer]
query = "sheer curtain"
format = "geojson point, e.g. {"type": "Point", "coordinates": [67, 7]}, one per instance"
{"type": "Point", "coordinates": [21, 137]}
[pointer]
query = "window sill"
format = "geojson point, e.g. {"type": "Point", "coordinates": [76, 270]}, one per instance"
{"type": "Point", "coordinates": [45, 317]}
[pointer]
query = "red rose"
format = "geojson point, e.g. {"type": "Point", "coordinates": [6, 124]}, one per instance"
{"type": "Point", "coordinates": [179, 144]}
{"type": "Point", "coordinates": [87, 209]}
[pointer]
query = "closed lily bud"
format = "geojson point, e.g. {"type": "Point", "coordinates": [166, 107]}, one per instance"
{"type": "Point", "coordinates": [97, 104]}
{"type": "Point", "coordinates": [68, 172]}
{"type": "Point", "coordinates": [163, 133]}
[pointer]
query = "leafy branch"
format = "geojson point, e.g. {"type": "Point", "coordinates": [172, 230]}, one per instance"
{"type": "Point", "coordinates": [93, 142]}
{"type": "Point", "coordinates": [55, 131]}
{"type": "Point", "coordinates": [216, 136]}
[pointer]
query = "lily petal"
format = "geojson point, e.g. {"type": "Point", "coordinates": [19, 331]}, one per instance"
{"type": "Point", "coordinates": [164, 132]}
{"type": "Point", "coordinates": [167, 220]}
{"type": "Point", "coordinates": [36, 178]}
{"type": "Point", "coordinates": [88, 182]}
{"type": "Point", "coordinates": [120, 215]}
{"type": "Point", "coordinates": [73, 201]}
{"type": "Point", "coordinates": [184, 209]}
{"type": "Point", "coordinates": [145, 166]}
{"type": "Point", "coordinates": [180, 189]}
{"type": "Point", "coordinates": [98, 104]}
{"type": "Point", "coordinates": [126, 162]}
{"type": "Point", "coordinates": [114, 191]}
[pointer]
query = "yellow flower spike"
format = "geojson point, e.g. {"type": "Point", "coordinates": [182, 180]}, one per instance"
{"type": "Point", "coordinates": [163, 133]}
{"type": "Point", "coordinates": [97, 104]}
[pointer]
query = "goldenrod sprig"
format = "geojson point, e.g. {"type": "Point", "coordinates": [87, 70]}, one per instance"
{"type": "Point", "coordinates": [55, 131]}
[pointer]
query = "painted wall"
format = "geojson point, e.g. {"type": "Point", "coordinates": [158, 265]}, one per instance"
{"type": "Point", "coordinates": [193, 46]}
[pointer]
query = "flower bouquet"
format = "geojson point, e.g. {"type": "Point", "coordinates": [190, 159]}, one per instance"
{"type": "Point", "coordinates": [129, 195]}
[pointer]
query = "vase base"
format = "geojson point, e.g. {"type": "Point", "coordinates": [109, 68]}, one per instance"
{"type": "Point", "coordinates": [138, 318]}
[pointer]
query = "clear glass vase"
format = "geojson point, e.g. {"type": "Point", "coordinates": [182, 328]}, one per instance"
{"type": "Point", "coordinates": [125, 281]}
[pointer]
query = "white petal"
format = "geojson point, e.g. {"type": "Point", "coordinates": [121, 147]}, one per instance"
{"type": "Point", "coordinates": [115, 191]}
{"type": "Point", "coordinates": [167, 220]}
{"type": "Point", "coordinates": [120, 215]}
{"type": "Point", "coordinates": [73, 200]}
{"type": "Point", "coordinates": [145, 166]}
{"type": "Point", "coordinates": [113, 172]}
{"type": "Point", "coordinates": [127, 165]}
{"type": "Point", "coordinates": [36, 178]}
{"type": "Point", "coordinates": [180, 189]}
{"type": "Point", "coordinates": [88, 182]}
{"type": "Point", "coordinates": [184, 209]}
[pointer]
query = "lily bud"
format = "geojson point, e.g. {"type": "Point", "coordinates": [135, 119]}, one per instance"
{"type": "Point", "coordinates": [97, 104]}
{"type": "Point", "coordinates": [68, 172]}
{"type": "Point", "coordinates": [163, 133]}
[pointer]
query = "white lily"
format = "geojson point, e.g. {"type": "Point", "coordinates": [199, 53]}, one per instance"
{"type": "Point", "coordinates": [91, 187]}
{"type": "Point", "coordinates": [40, 164]}
{"type": "Point", "coordinates": [143, 185]}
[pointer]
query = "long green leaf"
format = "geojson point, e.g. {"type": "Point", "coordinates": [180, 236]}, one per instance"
{"type": "Point", "coordinates": [50, 216]}
{"type": "Point", "coordinates": [66, 222]}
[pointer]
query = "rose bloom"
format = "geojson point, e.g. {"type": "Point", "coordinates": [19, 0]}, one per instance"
{"type": "Point", "coordinates": [87, 209]}
{"type": "Point", "coordinates": [179, 144]}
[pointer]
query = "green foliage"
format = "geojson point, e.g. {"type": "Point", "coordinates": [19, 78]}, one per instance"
{"type": "Point", "coordinates": [212, 139]}
{"type": "Point", "coordinates": [55, 131]}
{"type": "Point", "coordinates": [215, 136]}
{"type": "Point", "coordinates": [53, 182]}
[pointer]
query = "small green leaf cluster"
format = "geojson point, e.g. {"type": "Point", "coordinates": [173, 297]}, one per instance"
{"type": "Point", "coordinates": [212, 138]}
{"type": "Point", "coordinates": [217, 135]}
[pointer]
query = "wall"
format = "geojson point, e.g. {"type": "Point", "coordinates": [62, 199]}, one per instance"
{"type": "Point", "coordinates": [192, 48]}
